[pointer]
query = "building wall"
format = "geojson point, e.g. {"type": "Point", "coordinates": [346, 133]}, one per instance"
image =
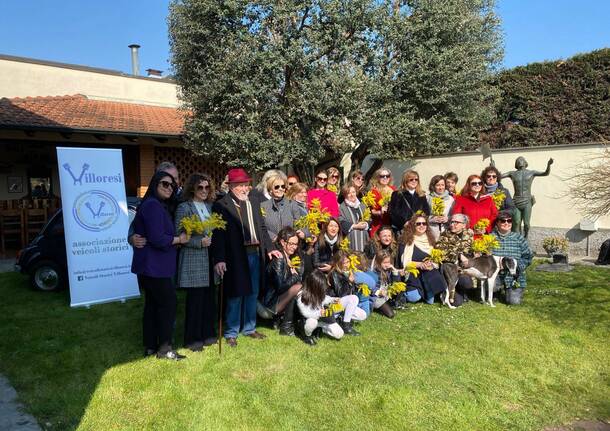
{"type": "Point", "coordinates": [554, 212]}
{"type": "Point", "coordinates": [28, 78]}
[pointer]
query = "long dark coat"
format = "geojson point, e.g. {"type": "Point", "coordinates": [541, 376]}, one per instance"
{"type": "Point", "coordinates": [403, 205]}
{"type": "Point", "coordinates": [228, 246]}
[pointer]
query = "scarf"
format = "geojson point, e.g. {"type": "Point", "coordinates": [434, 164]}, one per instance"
{"type": "Point", "coordinates": [443, 195]}
{"type": "Point", "coordinates": [355, 204]}
{"type": "Point", "coordinates": [330, 242]}
{"type": "Point", "coordinates": [244, 210]}
{"type": "Point", "coordinates": [491, 189]}
{"type": "Point", "coordinates": [420, 242]}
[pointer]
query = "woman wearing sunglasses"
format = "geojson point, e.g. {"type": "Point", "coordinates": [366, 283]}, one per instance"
{"type": "Point", "coordinates": [493, 187]}
{"type": "Point", "coordinates": [155, 265]}
{"type": "Point", "coordinates": [407, 201]}
{"type": "Point", "coordinates": [416, 244]}
{"type": "Point", "coordinates": [476, 204]}
{"type": "Point", "coordinates": [512, 244]}
{"type": "Point", "coordinates": [194, 264]}
{"type": "Point", "coordinates": [381, 187]}
{"type": "Point", "coordinates": [328, 199]}
{"type": "Point", "coordinates": [279, 211]}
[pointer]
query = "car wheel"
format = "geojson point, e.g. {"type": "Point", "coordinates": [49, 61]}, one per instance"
{"type": "Point", "coordinates": [46, 275]}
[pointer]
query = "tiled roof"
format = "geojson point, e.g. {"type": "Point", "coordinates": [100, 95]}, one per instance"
{"type": "Point", "coordinates": [80, 113]}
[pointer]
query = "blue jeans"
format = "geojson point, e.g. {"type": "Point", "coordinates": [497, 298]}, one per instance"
{"type": "Point", "coordinates": [413, 295]}
{"type": "Point", "coordinates": [243, 308]}
{"type": "Point", "coordinates": [364, 302]}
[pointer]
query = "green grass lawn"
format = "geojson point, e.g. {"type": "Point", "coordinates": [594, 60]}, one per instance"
{"type": "Point", "coordinates": [474, 368]}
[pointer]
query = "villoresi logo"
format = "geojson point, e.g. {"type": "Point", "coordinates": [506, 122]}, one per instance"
{"type": "Point", "coordinates": [91, 177]}
{"type": "Point", "coordinates": [95, 210]}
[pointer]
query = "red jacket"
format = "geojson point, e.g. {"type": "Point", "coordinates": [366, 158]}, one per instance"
{"type": "Point", "coordinates": [484, 207]}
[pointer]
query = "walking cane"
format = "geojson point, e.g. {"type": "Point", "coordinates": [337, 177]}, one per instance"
{"type": "Point", "coordinates": [221, 288]}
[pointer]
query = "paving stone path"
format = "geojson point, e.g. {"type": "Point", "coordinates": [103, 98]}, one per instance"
{"type": "Point", "coordinates": [12, 415]}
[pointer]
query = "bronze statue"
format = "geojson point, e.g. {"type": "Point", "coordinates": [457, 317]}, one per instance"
{"type": "Point", "coordinates": [522, 180]}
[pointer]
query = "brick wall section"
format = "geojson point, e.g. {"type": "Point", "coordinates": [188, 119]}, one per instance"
{"type": "Point", "coordinates": [188, 163]}
{"type": "Point", "coordinates": [147, 167]}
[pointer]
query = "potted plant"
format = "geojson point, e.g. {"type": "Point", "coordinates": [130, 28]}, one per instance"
{"type": "Point", "coordinates": [557, 248]}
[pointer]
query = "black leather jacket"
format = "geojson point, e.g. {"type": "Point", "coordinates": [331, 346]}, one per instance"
{"type": "Point", "coordinates": [340, 285]}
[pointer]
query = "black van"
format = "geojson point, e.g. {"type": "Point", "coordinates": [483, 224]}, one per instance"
{"type": "Point", "coordinates": [44, 259]}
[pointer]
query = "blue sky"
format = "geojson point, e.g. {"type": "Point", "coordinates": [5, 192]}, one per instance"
{"type": "Point", "coordinates": [96, 33]}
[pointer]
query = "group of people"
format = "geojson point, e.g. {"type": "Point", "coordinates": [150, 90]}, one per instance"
{"type": "Point", "coordinates": [307, 281]}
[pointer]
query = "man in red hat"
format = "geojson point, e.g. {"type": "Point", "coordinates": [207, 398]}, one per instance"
{"type": "Point", "coordinates": [237, 254]}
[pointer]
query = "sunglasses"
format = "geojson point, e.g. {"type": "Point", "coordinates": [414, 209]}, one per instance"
{"type": "Point", "coordinates": [385, 176]}
{"type": "Point", "coordinates": [455, 222]}
{"type": "Point", "coordinates": [167, 184]}
{"type": "Point", "coordinates": [358, 178]}
{"type": "Point", "coordinates": [505, 220]}
{"type": "Point", "coordinates": [322, 178]}
{"type": "Point", "coordinates": [334, 176]}
{"type": "Point", "coordinates": [492, 176]}
{"type": "Point", "coordinates": [476, 183]}
{"type": "Point", "coordinates": [290, 184]}
{"type": "Point", "coordinates": [413, 179]}
{"type": "Point", "coordinates": [200, 188]}
{"type": "Point", "coordinates": [279, 186]}
{"type": "Point", "coordinates": [421, 223]}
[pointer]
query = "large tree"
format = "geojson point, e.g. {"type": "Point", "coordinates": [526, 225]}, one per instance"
{"type": "Point", "coordinates": [268, 83]}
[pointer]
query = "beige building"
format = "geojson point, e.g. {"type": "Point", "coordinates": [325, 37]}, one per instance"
{"type": "Point", "coordinates": [46, 104]}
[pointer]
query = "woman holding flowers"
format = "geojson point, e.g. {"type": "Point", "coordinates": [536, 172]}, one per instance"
{"type": "Point", "coordinates": [155, 266]}
{"type": "Point", "coordinates": [479, 207]}
{"type": "Point", "coordinates": [334, 183]}
{"type": "Point", "coordinates": [382, 189]}
{"type": "Point", "coordinates": [386, 275]}
{"type": "Point", "coordinates": [327, 245]}
{"type": "Point", "coordinates": [416, 248]}
{"type": "Point", "coordinates": [284, 277]}
{"type": "Point", "coordinates": [319, 309]}
{"type": "Point", "coordinates": [279, 211]}
{"type": "Point", "coordinates": [194, 263]}
{"type": "Point", "coordinates": [494, 188]}
{"type": "Point", "coordinates": [405, 202]}
{"type": "Point", "coordinates": [354, 218]}
{"type": "Point", "coordinates": [440, 202]}
{"type": "Point", "coordinates": [327, 198]}
{"type": "Point", "coordinates": [297, 193]}
{"type": "Point", "coordinates": [343, 285]}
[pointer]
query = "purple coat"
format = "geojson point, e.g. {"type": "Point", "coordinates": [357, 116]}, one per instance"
{"type": "Point", "coordinates": [158, 257]}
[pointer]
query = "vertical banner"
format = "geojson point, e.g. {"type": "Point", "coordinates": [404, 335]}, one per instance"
{"type": "Point", "coordinates": [96, 223]}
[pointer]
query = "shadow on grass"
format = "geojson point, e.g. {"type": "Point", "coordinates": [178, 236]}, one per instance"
{"type": "Point", "coordinates": [579, 299]}
{"type": "Point", "coordinates": [55, 356]}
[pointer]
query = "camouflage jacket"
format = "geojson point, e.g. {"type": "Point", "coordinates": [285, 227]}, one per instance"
{"type": "Point", "coordinates": [455, 243]}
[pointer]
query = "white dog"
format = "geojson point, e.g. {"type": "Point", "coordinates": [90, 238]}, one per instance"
{"type": "Point", "coordinates": [486, 269]}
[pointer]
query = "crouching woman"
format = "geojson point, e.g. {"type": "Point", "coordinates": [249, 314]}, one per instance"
{"type": "Point", "coordinates": [284, 280]}
{"type": "Point", "coordinates": [316, 308]}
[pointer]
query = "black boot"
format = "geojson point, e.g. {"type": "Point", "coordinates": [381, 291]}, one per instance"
{"type": "Point", "coordinates": [309, 340]}
{"type": "Point", "coordinates": [287, 324]}
{"type": "Point", "coordinates": [387, 311]}
{"type": "Point", "coordinates": [349, 329]}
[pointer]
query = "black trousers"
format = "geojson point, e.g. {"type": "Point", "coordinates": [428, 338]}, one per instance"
{"type": "Point", "coordinates": [200, 314]}
{"type": "Point", "coordinates": [159, 312]}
